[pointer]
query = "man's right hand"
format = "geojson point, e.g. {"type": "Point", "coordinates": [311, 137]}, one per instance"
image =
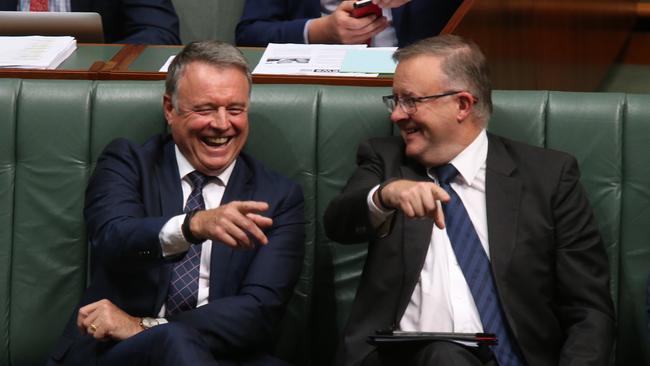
{"type": "Point", "coordinates": [415, 199]}
{"type": "Point", "coordinates": [341, 27]}
{"type": "Point", "coordinates": [233, 223]}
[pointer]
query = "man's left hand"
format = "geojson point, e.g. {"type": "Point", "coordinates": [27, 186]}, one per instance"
{"type": "Point", "coordinates": [105, 321]}
{"type": "Point", "coordinates": [390, 3]}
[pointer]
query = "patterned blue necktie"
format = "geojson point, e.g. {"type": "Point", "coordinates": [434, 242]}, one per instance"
{"type": "Point", "coordinates": [476, 268]}
{"type": "Point", "coordinates": [184, 283]}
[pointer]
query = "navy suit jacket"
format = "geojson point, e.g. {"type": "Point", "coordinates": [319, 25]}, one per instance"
{"type": "Point", "coordinates": [547, 257]}
{"type": "Point", "coordinates": [133, 192]}
{"type": "Point", "coordinates": [283, 21]}
{"type": "Point", "coordinates": [128, 21]}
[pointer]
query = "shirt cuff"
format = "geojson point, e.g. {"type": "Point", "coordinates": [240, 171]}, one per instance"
{"type": "Point", "coordinates": [378, 216]}
{"type": "Point", "coordinates": [171, 237]}
{"type": "Point", "coordinates": [305, 31]}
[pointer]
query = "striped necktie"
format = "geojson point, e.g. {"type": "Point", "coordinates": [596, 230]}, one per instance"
{"type": "Point", "coordinates": [476, 268]}
{"type": "Point", "coordinates": [38, 5]}
{"type": "Point", "coordinates": [184, 282]}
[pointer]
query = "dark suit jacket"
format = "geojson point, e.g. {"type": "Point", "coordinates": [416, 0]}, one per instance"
{"type": "Point", "coordinates": [133, 192]}
{"type": "Point", "coordinates": [547, 257]}
{"type": "Point", "coordinates": [128, 21]}
{"type": "Point", "coordinates": [283, 21]}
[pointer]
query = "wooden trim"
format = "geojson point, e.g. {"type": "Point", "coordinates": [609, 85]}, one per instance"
{"type": "Point", "coordinates": [96, 66]}
{"type": "Point", "coordinates": [643, 9]}
{"type": "Point", "coordinates": [458, 16]}
{"type": "Point", "coordinates": [637, 51]}
{"type": "Point", "coordinates": [48, 74]}
{"type": "Point", "coordinates": [269, 79]}
{"type": "Point", "coordinates": [324, 80]}
{"type": "Point", "coordinates": [124, 58]}
{"type": "Point", "coordinates": [117, 68]}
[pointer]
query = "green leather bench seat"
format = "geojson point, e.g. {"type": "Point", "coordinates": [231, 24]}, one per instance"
{"type": "Point", "coordinates": [51, 133]}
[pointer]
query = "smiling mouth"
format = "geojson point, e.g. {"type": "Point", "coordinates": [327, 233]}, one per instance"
{"type": "Point", "coordinates": [410, 131]}
{"type": "Point", "coordinates": [215, 141]}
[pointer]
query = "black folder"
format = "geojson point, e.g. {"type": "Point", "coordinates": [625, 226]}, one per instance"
{"type": "Point", "coordinates": [398, 336]}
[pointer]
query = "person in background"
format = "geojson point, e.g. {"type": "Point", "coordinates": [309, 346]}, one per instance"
{"type": "Point", "coordinates": [330, 21]}
{"type": "Point", "coordinates": [469, 232]}
{"type": "Point", "coordinates": [124, 21]}
{"type": "Point", "coordinates": [196, 245]}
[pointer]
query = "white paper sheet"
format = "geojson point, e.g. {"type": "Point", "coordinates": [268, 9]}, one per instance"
{"type": "Point", "coordinates": [165, 67]}
{"type": "Point", "coordinates": [302, 59]}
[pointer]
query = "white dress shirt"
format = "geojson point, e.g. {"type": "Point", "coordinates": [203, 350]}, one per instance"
{"type": "Point", "coordinates": [171, 236]}
{"type": "Point", "coordinates": [441, 300]}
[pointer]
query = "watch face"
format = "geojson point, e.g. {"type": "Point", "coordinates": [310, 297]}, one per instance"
{"type": "Point", "coordinates": [149, 322]}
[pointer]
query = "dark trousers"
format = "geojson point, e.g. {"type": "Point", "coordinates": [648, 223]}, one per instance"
{"type": "Point", "coordinates": [436, 353]}
{"type": "Point", "coordinates": [168, 344]}
{"type": "Point", "coordinates": [172, 344]}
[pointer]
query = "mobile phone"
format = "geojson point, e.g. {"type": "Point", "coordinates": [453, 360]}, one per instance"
{"type": "Point", "coordinates": [364, 8]}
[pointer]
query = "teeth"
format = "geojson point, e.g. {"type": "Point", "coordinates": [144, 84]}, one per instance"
{"type": "Point", "coordinates": [216, 140]}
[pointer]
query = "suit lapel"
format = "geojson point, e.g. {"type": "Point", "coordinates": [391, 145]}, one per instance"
{"type": "Point", "coordinates": [397, 19]}
{"type": "Point", "coordinates": [503, 196]}
{"type": "Point", "coordinates": [415, 240]}
{"type": "Point", "coordinates": [239, 187]}
{"type": "Point", "coordinates": [171, 203]}
{"type": "Point", "coordinates": [80, 5]}
{"type": "Point", "coordinates": [9, 5]}
{"type": "Point", "coordinates": [171, 193]}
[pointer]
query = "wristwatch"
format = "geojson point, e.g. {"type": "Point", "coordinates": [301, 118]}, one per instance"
{"type": "Point", "coordinates": [147, 323]}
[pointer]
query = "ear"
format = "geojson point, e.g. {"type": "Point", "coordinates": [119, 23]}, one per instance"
{"type": "Point", "coordinates": [465, 105]}
{"type": "Point", "coordinates": [168, 108]}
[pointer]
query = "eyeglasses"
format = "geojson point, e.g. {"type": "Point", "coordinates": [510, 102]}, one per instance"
{"type": "Point", "coordinates": [410, 104]}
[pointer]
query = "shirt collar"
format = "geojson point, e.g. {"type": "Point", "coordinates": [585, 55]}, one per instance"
{"type": "Point", "coordinates": [185, 168]}
{"type": "Point", "coordinates": [470, 161]}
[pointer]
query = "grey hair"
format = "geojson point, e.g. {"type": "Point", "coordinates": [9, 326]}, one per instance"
{"type": "Point", "coordinates": [215, 53]}
{"type": "Point", "coordinates": [462, 63]}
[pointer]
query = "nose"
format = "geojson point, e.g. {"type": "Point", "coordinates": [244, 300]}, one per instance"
{"type": "Point", "coordinates": [398, 114]}
{"type": "Point", "coordinates": [219, 120]}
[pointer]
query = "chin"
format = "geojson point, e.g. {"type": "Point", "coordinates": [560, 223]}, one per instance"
{"type": "Point", "coordinates": [214, 166]}
{"type": "Point", "coordinates": [412, 151]}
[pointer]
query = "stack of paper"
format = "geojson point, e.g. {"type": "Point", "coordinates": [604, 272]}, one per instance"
{"type": "Point", "coordinates": [323, 60]}
{"type": "Point", "coordinates": [35, 52]}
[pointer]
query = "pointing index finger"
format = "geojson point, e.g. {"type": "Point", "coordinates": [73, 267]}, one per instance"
{"type": "Point", "coordinates": [252, 206]}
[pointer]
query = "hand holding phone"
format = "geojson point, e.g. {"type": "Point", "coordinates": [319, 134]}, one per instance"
{"type": "Point", "coordinates": [364, 8]}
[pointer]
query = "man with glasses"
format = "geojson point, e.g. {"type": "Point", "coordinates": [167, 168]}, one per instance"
{"type": "Point", "coordinates": [197, 245]}
{"type": "Point", "coordinates": [469, 232]}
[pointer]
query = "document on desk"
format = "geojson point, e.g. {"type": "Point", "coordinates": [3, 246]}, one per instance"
{"type": "Point", "coordinates": [35, 52]}
{"type": "Point", "coordinates": [370, 59]}
{"type": "Point", "coordinates": [165, 67]}
{"type": "Point", "coordinates": [306, 59]}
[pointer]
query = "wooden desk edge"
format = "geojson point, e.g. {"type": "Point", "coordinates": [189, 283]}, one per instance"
{"type": "Point", "coordinates": [643, 10]}
{"type": "Point", "coordinates": [117, 69]}
{"type": "Point", "coordinates": [48, 74]}
{"type": "Point", "coordinates": [267, 79]}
